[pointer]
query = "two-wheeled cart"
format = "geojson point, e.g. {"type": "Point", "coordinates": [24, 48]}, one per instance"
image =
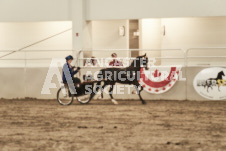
{"type": "Point", "coordinates": [83, 91]}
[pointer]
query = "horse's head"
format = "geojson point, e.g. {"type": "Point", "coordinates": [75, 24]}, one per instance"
{"type": "Point", "coordinates": [222, 73]}
{"type": "Point", "coordinates": [144, 62]}
{"type": "Point", "coordinates": [141, 61]}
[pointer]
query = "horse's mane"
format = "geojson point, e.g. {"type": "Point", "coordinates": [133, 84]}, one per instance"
{"type": "Point", "coordinates": [132, 64]}
{"type": "Point", "coordinates": [136, 59]}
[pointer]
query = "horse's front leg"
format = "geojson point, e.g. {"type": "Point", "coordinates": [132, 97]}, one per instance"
{"type": "Point", "coordinates": [101, 91]}
{"type": "Point", "coordinates": [219, 84]}
{"type": "Point", "coordinates": [138, 92]}
{"type": "Point", "coordinates": [110, 93]}
{"type": "Point", "coordinates": [219, 87]}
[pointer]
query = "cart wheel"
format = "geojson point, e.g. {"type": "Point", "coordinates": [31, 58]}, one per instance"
{"type": "Point", "coordinates": [84, 99]}
{"type": "Point", "coordinates": [63, 96]}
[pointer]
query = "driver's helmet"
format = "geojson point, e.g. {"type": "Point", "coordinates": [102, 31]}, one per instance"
{"type": "Point", "coordinates": [70, 57]}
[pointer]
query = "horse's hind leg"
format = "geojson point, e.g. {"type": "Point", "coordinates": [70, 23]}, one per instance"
{"type": "Point", "coordinates": [98, 85]}
{"type": "Point", "coordinates": [110, 93]}
{"type": "Point", "coordinates": [91, 95]}
{"type": "Point", "coordinates": [138, 92]}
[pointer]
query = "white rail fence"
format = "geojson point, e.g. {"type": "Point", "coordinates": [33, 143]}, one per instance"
{"type": "Point", "coordinates": [206, 56]}
{"type": "Point", "coordinates": [203, 56]}
{"type": "Point", "coordinates": [33, 64]}
{"type": "Point", "coordinates": [31, 58]}
{"type": "Point", "coordinates": [159, 56]}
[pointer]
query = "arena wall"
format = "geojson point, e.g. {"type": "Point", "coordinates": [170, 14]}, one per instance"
{"type": "Point", "coordinates": [33, 10]}
{"type": "Point", "coordinates": [60, 10]}
{"type": "Point", "coordinates": [133, 9]}
{"type": "Point", "coordinates": [185, 33]}
{"type": "Point", "coordinates": [105, 35]}
{"type": "Point", "coordinates": [29, 83]}
{"type": "Point", "coordinates": [16, 35]}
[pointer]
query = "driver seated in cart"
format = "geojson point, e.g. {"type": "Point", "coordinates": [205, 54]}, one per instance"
{"type": "Point", "coordinates": [69, 72]}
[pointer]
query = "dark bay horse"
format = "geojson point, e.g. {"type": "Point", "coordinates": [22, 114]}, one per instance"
{"type": "Point", "coordinates": [128, 75]}
{"type": "Point", "coordinates": [219, 81]}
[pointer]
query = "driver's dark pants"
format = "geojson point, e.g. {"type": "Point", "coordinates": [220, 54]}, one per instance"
{"type": "Point", "coordinates": [75, 81]}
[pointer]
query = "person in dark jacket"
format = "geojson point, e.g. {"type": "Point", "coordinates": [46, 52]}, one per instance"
{"type": "Point", "coordinates": [69, 72]}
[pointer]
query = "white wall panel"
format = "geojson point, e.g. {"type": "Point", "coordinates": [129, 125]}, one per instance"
{"type": "Point", "coordinates": [14, 36]}
{"type": "Point", "coordinates": [186, 33]}
{"type": "Point", "coordinates": [60, 10]}
{"type": "Point", "coordinates": [105, 35]}
{"type": "Point", "coordinates": [137, 9]}
{"type": "Point", "coordinates": [17, 35]}
{"type": "Point", "coordinates": [194, 32]}
{"type": "Point", "coordinates": [34, 10]}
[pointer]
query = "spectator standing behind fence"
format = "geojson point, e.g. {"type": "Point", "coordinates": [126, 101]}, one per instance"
{"type": "Point", "coordinates": [115, 62]}
{"type": "Point", "coordinates": [92, 63]}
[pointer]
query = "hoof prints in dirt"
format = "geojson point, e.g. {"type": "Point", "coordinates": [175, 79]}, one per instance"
{"type": "Point", "coordinates": [180, 143]}
{"type": "Point", "coordinates": [100, 127]}
{"type": "Point", "coordinates": [82, 127]}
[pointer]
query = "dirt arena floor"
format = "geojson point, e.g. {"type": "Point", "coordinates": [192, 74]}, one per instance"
{"type": "Point", "coordinates": [160, 126]}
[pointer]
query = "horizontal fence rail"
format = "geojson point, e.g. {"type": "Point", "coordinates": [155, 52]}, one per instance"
{"type": "Point", "coordinates": [201, 57]}
{"type": "Point", "coordinates": [128, 54]}
{"type": "Point", "coordinates": [189, 57]}
{"type": "Point", "coordinates": [31, 58]}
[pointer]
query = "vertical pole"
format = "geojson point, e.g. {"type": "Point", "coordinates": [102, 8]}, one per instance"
{"type": "Point", "coordinates": [25, 74]}
{"type": "Point", "coordinates": [78, 18]}
{"type": "Point", "coordinates": [186, 68]}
